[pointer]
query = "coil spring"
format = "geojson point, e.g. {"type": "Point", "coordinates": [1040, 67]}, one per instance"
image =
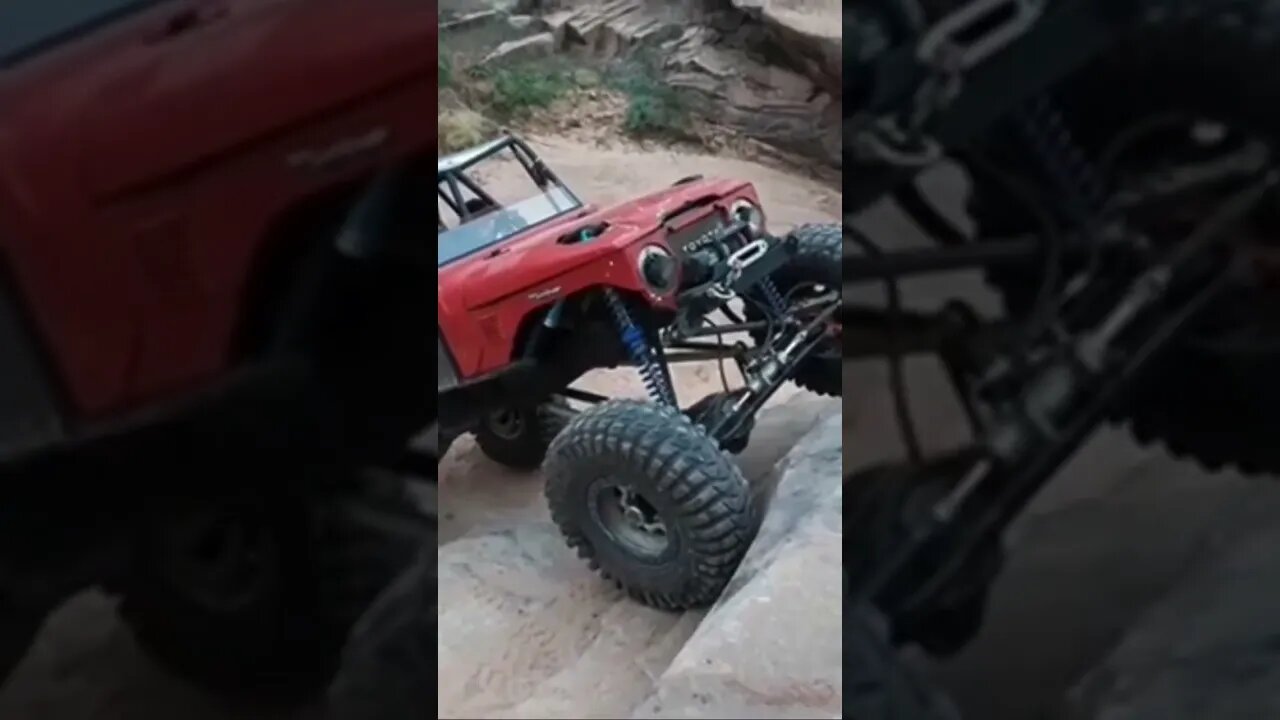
{"type": "Point", "coordinates": [772, 296]}
{"type": "Point", "coordinates": [641, 353]}
{"type": "Point", "coordinates": [1065, 161]}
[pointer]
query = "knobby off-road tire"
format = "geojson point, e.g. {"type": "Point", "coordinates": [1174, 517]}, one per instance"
{"type": "Point", "coordinates": [817, 261]}
{"type": "Point", "coordinates": [1210, 58]}
{"type": "Point", "coordinates": [691, 486]}
{"type": "Point", "coordinates": [281, 639]}
{"type": "Point", "coordinates": [522, 444]}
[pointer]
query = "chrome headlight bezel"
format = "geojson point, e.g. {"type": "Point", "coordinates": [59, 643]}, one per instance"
{"type": "Point", "coordinates": [744, 210]}
{"type": "Point", "coordinates": [649, 252]}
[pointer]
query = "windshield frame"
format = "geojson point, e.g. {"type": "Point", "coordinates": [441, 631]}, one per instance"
{"type": "Point", "coordinates": [452, 179]}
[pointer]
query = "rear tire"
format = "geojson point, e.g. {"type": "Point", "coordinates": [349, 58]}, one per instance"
{"type": "Point", "coordinates": [647, 497]}
{"type": "Point", "coordinates": [518, 437]}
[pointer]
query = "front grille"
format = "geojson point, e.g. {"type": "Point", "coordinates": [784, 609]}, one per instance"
{"type": "Point", "coordinates": [684, 236]}
{"type": "Point", "coordinates": [446, 370]}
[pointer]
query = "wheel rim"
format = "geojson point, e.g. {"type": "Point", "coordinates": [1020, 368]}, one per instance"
{"type": "Point", "coordinates": [222, 559]}
{"type": "Point", "coordinates": [507, 423]}
{"type": "Point", "coordinates": [630, 520]}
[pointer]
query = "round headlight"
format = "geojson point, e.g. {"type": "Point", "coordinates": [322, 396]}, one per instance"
{"type": "Point", "coordinates": [749, 213]}
{"type": "Point", "coordinates": [658, 269]}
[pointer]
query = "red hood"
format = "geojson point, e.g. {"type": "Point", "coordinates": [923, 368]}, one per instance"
{"type": "Point", "coordinates": [649, 210]}
{"type": "Point", "coordinates": [538, 255]}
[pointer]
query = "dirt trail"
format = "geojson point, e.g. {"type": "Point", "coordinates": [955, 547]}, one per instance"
{"type": "Point", "coordinates": [526, 629]}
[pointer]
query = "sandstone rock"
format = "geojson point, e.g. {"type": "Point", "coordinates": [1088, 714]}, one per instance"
{"type": "Point", "coordinates": [527, 630]}
{"type": "Point", "coordinates": [725, 56]}
{"type": "Point", "coordinates": [1209, 650]}
{"type": "Point", "coordinates": [521, 22]}
{"type": "Point", "coordinates": [612, 28]}
{"type": "Point", "coordinates": [470, 21]}
{"type": "Point", "coordinates": [809, 31]}
{"type": "Point", "coordinates": [766, 102]}
{"type": "Point", "coordinates": [771, 647]}
{"type": "Point", "coordinates": [528, 48]}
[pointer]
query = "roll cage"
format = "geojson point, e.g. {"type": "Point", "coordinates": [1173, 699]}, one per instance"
{"type": "Point", "coordinates": [482, 220]}
{"type": "Point", "coordinates": [453, 183]}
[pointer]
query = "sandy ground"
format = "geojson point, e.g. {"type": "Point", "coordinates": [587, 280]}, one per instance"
{"type": "Point", "coordinates": [541, 635]}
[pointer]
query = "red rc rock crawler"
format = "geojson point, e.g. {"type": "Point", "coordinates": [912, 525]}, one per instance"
{"type": "Point", "coordinates": [535, 293]}
{"type": "Point", "coordinates": [215, 262]}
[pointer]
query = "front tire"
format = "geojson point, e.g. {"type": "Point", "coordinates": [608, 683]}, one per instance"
{"type": "Point", "coordinates": [814, 270]}
{"type": "Point", "coordinates": [647, 497]}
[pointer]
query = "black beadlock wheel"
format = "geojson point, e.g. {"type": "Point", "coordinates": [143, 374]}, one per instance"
{"type": "Point", "coordinates": [1217, 406]}
{"type": "Point", "coordinates": [646, 496]}
{"type": "Point", "coordinates": [518, 437]}
{"type": "Point", "coordinates": [252, 594]}
{"type": "Point", "coordinates": [813, 271]}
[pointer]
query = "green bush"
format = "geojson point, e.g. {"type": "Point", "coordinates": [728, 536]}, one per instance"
{"type": "Point", "coordinates": [654, 108]}
{"type": "Point", "coordinates": [519, 89]}
{"type": "Point", "coordinates": [444, 71]}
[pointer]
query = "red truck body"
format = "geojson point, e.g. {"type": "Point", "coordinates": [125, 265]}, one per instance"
{"type": "Point", "coordinates": [486, 299]}
{"type": "Point", "coordinates": [147, 164]}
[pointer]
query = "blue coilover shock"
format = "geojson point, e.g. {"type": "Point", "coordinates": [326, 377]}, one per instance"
{"type": "Point", "coordinates": [1064, 160]}
{"type": "Point", "coordinates": [656, 381]}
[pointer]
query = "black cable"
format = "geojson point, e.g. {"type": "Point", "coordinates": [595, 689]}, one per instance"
{"type": "Point", "coordinates": [770, 323]}
{"type": "Point", "coordinates": [897, 382]}
{"type": "Point", "coordinates": [724, 376]}
{"type": "Point", "coordinates": [1044, 306]}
